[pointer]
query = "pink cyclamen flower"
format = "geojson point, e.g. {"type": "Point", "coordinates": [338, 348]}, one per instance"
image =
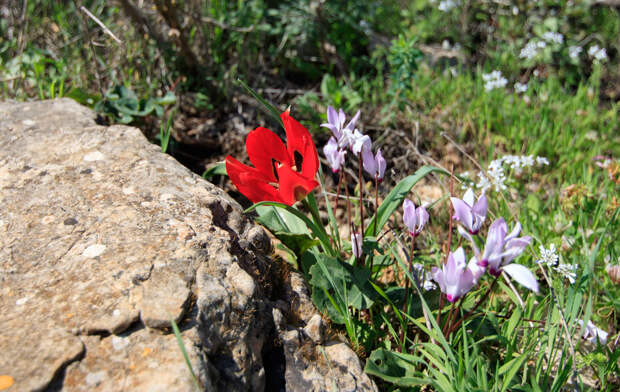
{"type": "Point", "coordinates": [357, 141]}
{"type": "Point", "coordinates": [592, 333]}
{"type": "Point", "coordinates": [414, 218]}
{"type": "Point", "coordinates": [335, 122]}
{"type": "Point", "coordinates": [375, 166]}
{"type": "Point", "coordinates": [356, 244]}
{"type": "Point", "coordinates": [335, 156]}
{"type": "Point", "coordinates": [501, 249]}
{"type": "Point", "coordinates": [469, 212]}
{"type": "Point", "coordinates": [454, 278]}
{"type": "Point", "coordinates": [476, 269]}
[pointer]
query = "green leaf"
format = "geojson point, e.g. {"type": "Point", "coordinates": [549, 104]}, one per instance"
{"type": "Point", "coordinates": [298, 243]}
{"type": "Point", "coordinates": [397, 368]}
{"type": "Point", "coordinates": [168, 99]}
{"type": "Point", "coordinates": [268, 106]}
{"type": "Point", "coordinates": [177, 335]}
{"type": "Point", "coordinates": [219, 169]}
{"type": "Point", "coordinates": [511, 368]}
{"type": "Point", "coordinates": [317, 231]}
{"type": "Point", "coordinates": [83, 97]}
{"type": "Point", "coordinates": [395, 198]}
{"type": "Point", "coordinates": [280, 220]}
{"type": "Point", "coordinates": [350, 282]}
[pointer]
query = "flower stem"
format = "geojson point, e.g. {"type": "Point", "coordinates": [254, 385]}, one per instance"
{"type": "Point", "coordinates": [449, 319]}
{"type": "Point", "coordinates": [361, 185]}
{"type": "Point", "coordinates": [340, 177]}
{"type": "Point", "coordinates": [346, 191]}
{"type": "Point", "coordinates": [449, 243]}
{"type": "Point", "coordinates": [486, 295]}
{"type": "Point", "coordinates": [376, 204]}
{"type": "Point", "coordinates": [405, 302]}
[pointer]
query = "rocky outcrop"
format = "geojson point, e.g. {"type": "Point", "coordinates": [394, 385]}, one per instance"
{"type": "Point", "coordinates": [103, 240]}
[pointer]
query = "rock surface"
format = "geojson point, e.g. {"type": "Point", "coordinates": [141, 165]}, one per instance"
{"type": "Point", "coordinates": [103, 240]}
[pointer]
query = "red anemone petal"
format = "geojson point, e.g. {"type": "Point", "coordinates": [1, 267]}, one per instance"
{"type": "Point", "coordinates": [298, 140]}
{"type": "Point", "coordinates": [293, 186]}
{"type": "Point", "coordinates": [251, 182]}
{"type": "Point", "coordinates": [263, 148]}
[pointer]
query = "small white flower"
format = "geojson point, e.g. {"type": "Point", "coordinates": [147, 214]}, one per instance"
{"type": "Point", "coordinates": [568, 271]}
{"type": "Point", "coordinates": [548, 256]}
{"type": "Point", "coordinates": [553, 37]}
{"type": "Point", "coordinates": [494, 80]}
{"type": "Point", "coordinates": [520, 87]}
{"type": "Point", "coordinates": [447, 5]}
{"type": "Point", "coordinates": [529, 51]}
{"type": "Point", "coordinates": [527, 161]}
{"type": "Point", "coordinates": [542, 161]}
{"type": "Point", "coordinates": [574, 52]}
{"type": "Point", "coordinates": [599, 54]}
{"type": "Point", "coordinates": [483, 183]}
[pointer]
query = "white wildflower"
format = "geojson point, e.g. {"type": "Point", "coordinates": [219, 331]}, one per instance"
{"type": "Point", "coordinates": [569, 271]}
{"type": "Point", "coordinates": [598, 54]}
{"type": "Point", "coordinates": [520, 87]}
{"type": "Point", "coordinates": [527, 161]}
{"type": "Point", "coordinates": [494, 80]}
{"type": "Point", "coordinates": [483, 183]}
{"type": "Point", "coordinates": [447, 5]}
{"type": "Point", "coordinates": [529, 51]}
{"type": "Point", "coordinates": [574, 52]}
{"type": "Point", "coordinates": [553, 37]}
{"type": "Point", "coordinates": [495, 175]}
{"type": "Point", "coordinates": [548, 256]}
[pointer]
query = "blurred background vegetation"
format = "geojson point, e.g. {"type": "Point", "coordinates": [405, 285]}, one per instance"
{"type": "Point", "coordinates": [416, 69]}
{"type": "Point", "coordinates": [348, 53]}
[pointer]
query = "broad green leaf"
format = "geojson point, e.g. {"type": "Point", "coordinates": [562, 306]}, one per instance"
{"type": "Point", "coordinates": [298, 243]}
{"type": "Point", "coordinates": [397, 368]}
{"type": "Point", "coordinates": [280, 220]}
{"type": "Point", "coordinates": [317, 231]}
{"type": "Point", "coordinates": [395, 198]}
{"type": "Point", "coordinates": [219, 169]}
{"type": "Point", "coordinates": [352, 283]}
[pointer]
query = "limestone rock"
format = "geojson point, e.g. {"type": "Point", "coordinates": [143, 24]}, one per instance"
{"type": "Point", "coordinates": [315, 329]}
{"type": "Point", "coordinates": [103, 239]}
{"type": "Point", "coordinates": [165, 295]}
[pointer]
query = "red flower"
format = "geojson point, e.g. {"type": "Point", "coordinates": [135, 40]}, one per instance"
{"type": "Point", "coordinates": [281, 173]}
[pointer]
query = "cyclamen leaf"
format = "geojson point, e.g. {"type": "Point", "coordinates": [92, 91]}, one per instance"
{"type": "Point", "coordinates": [398, 368]}
{"type": "Point", "coordinates": [350, 283]}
